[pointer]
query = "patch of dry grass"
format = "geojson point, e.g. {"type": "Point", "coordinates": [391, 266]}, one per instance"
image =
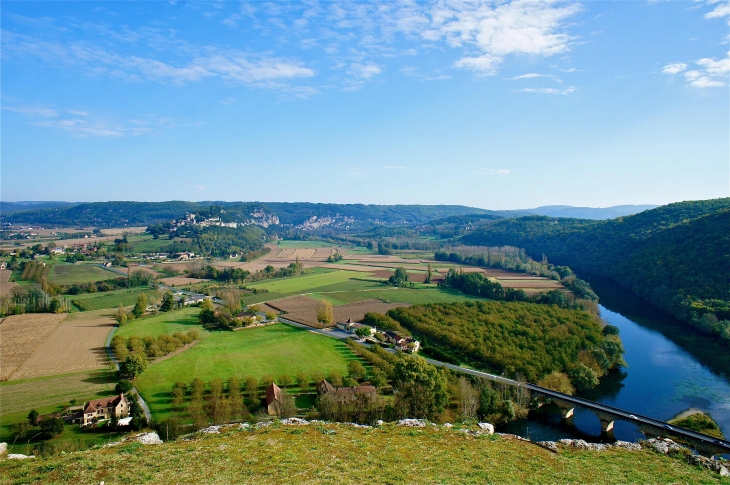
{"type": "Point", "coordinates": [20, 337]}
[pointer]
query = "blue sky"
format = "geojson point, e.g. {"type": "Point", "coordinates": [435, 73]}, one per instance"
{"type": "Point", "coordinates": [498, 105]}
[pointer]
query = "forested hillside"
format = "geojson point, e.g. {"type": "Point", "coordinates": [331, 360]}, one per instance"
{"type": "Point", "coordinates": [675, 256]}
{"type": "Point", "coordinates": [145, 213]}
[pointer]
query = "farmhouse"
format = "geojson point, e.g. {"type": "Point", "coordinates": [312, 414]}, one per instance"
{"type": "Point", "coordinates": [345, 395]}
{"type": "Point", "coordinates": [274, 400]}
{"type": "Point", "coordinates": [406, 344]}
{"type": "Point", "coordinates": [105, 409]}
{"type": "Point", "coordinates": [351, 327]}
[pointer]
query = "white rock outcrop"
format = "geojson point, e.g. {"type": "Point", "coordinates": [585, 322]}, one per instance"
{"type": "Point", "coordinates": [148, 438]}
{"type": "Point", "coordinates": [3, 448]}
{"type": "Point", "coordinates": [210, 430]}
{"type": "Point", "coordinates": [412, 423]}
{"type": "Point", "coordinates": [18, 456]}
{"type": "Point", "coordinates": [488, 428]}
{"type": "Point", "coordinates": [295, 421]}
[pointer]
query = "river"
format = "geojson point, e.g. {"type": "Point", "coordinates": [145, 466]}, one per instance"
{"type": "Point", "coordinates": [670, 369]}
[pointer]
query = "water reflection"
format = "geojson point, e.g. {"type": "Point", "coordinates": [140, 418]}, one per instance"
{"type": "Point", "coordinates": [669, 370]}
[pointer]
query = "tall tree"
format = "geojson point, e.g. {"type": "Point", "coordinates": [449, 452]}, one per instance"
{"type": "Point", "coordinates": [325, 313]}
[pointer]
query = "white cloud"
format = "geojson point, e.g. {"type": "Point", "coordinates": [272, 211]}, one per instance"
{"type": "Point", "coordinates": [498, 30]}
{"type": "Point", "coordinates": [501, 171]}
{"type": "Point", "coordinates": [364, 71]}
{"type": "Point", "coordinates": [722, 10]}
{"type": "Point", "coordinates": [674, 68]}
{"type": "Point", "coordinates": [228, 100]}
{"type": "Point", "coordinates": [710, 73]}
{"type": "Point", "coordinates": [33, 111]}
{"type": "Point", "coordinates": [563, 92]}
{"type": "Point", "coordinates": [534, 75]}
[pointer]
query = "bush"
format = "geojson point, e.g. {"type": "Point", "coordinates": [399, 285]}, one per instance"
{"type": "Point", "coordinates": [52, 427]}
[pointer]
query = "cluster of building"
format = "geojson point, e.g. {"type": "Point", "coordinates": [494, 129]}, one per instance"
{"type": "Point", "coordinates": [341, 395]}
{"type": "Point", "coordinates": [95, 411]}
{"type": "Point", "coordinates": [401, 342]}
{"type": "Point", "coordinates": [258, 217]}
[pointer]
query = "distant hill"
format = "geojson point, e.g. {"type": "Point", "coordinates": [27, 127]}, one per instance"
{"type": "Point", "coordinates": [597, 213]}
{"type": "Point", "coordinates": [675, 256]}
{"type": "Point", "coordinates": [293, 213]}
{"type": "Point", "coordinates": [30, 205]}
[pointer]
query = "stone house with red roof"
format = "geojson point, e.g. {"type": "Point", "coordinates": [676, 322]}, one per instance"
{"type": "Point", "coordinates": [105, 408]}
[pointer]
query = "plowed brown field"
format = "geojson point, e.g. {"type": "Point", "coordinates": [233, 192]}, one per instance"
{"type": "Point", "coordinates": [303, 309]}
{"type": "Point", "coordinates": [21, 336]}
{"type": "Point", "coordinates": [77, 344]}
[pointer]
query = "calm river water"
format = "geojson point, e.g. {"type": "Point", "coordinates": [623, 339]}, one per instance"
{"type": "Point", "coordinates": [669, 370]}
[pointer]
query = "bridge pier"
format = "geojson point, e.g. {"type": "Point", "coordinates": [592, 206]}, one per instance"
{"type": "Point", "coordinates": [567, 411]}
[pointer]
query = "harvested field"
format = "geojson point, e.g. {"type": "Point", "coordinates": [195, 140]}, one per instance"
{"type": "Point", "coordinates": [303, 309]}
{"type": "Point", "coordinates": [75, 345]}
{"type": "Point", "coordinates": [21, 336]}
{"type": "Point", "coordinates": [18, 396]}
{"type": "Point", "coordinates": [71, 274]}
{"type": "Point", "coordinates": [181, 281]}
{"type": "Point", "coordinates": [6, 287]}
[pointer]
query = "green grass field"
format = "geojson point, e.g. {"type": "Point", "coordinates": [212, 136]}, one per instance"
{"type": "Point", "coordinates": [73, 274]}
{"type": "Point", "coordinates": [49, 395]}
{"type": "Point", "coordinates": [111, 299]}
{"type": "Point", "coordinates": [276, 350]}
{"type": "Point", "coordinates": [336, 454]}
{"type": "Point", "coordinates": [168, 322]}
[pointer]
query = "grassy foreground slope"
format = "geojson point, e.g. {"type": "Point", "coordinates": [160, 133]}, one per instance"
{"type": "Point", "coordinates": [341, 454]}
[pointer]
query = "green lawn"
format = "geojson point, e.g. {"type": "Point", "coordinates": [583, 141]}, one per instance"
{"type": "Point", "coordinates": [167, 322]}
{"type": "Point", "coordinates": [307, 283]}
{"type": "Point", "coordinates": [111, 299]}
{"type": "Point", "coordinates": [73, 274]}
{"type": "Point", "coordinates": [49, 395]}
{"type": "Point", "coordinates": [276, 350]}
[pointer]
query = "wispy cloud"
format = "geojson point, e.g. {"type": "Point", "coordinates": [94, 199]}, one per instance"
{"type": "Point", "coordinates": [402, 167]}
{"type": "Point", "coordinates": [500, 171]}
{"type": "Point", "coordinates": [231, 65]}
{"type": "Point", "coordinates": [78, 122]}
{"type": "Point", "coordinates": [564, 92]}
{"type": "Point", "coordinates": [710, 73]}
{"type": "Point", "coordinates": [674, 68]}
{"type": "Point", "coordinates": [534, 75]}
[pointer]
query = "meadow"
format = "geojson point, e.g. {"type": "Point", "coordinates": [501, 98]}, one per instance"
{"type": "Point", "coordinates": [275, 350]}
{"type": "Point", "coordinates": [169, 322]}
{"type": "Point", "coordinates": [73, 274]}
{"type": "Point", "coordinates": [112, 299]}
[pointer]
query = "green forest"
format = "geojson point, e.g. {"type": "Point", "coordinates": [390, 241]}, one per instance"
{"type": "Point", "coordinates": [676, 256]}
{"type": "Point", "coordinates": [218, 240]}
{"type": "Point", "coordinates": [517, 338]}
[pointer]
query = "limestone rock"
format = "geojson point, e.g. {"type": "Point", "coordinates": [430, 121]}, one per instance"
{"type": "Point", "coordinates": [380, 422]}
{"type": "Point", "coordinates": [211, 430]}
{"type": "Point", "coordinates": [3, 448]}
{"type": "Point", "coordinates": [18, 456]}
{"type": "Point", "coordinates": [413, 423]}
{"type": "Point", "coordinates": [448, 425]}
{"type": "Point", "coordinates": [627, 445]}
{"type": "Point", "coordinates": [149, 439]}
{"type": "Point", "coordinates": [486, 427]}
{"type": "Point", "coordinates": [549, 445]}
{"type": "Point", "coordinates": [295, 421]}
{"type": "Point", "coordinates": [724, 472]}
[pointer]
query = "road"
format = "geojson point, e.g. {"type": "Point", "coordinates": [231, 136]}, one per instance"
{"type": "Point", "coordinates": [616, 413]}
{"type": "Point", "coordinates": [140, 400]}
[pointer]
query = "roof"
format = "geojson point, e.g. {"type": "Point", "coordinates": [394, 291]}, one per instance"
{"type": "Point", "coordinates": [273, 393]}
{"type": "Point", "coordinates": [327, 386]}
{"type": "Point", "coordinates": [106, 402]}
{"type": "Point", "coordinates": [354, 390]}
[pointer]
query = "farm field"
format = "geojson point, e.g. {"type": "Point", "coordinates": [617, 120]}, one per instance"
{"type": "Point", "coordinates": [6, 286]}
{"type": "Point", "coordinates": [73, 274]}
{"type": "Point", "coordinates": [169, 322]}
{"type": "Point", "coordinates": [21, 336]}
{"type": "Point", "coordinates": [303, 309]}
{"type": "Point", "coordinates": [397, 295]}
{"type": "Point", "coordinates": [276, 349]}
{"type": "Point", "coordinates": [26, 394]}
{"type": "Point", "coordinates": [111, 299]}
{"type": "Point", "coordinates": [74, 345]}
